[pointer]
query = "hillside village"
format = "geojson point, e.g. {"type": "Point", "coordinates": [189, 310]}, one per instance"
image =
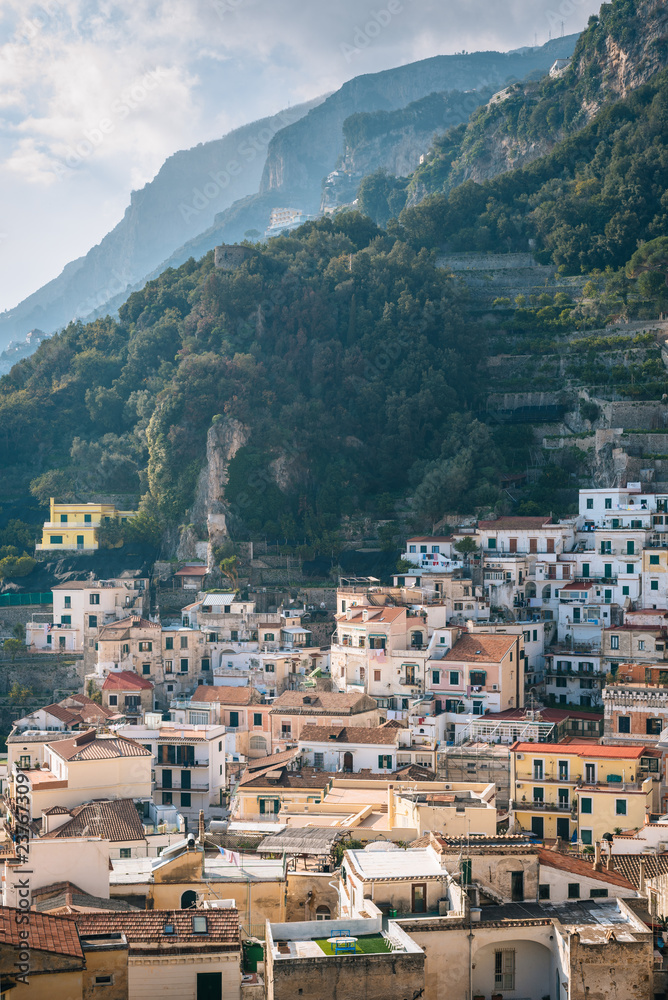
{"type": "Point", "coordinates": [475, 752]}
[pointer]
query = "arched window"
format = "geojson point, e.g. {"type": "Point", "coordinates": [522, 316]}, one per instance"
{"type": "Point", "coordinates": [258, 743]}
{"type": "Point", "coordinates": [188, 899]}
{"type": "Point", "coordinates": [323, 913]}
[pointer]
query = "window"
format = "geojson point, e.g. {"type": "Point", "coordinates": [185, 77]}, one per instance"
{"type": "Point", "coordinates": [608, 503]}
{"type": "Point", "coordinates": [538, 794]}
{"type": "Point", "coordinates": [586, 837]}
{"type": "Point", "coordinates": [653, 727]}
{"type": "Point", "coordinates": [126, 852]}
{"type": "Point", "coordinates": [654, 560]}
{"type": "Point", "coordinates": [491, 543]}
{"type": "Point", "coordinates": [184, 642]}
{"type": "Point", "coordinates": [586, 805]}
{"type": "Point", "coordinates": [146, 669]}
{"type": "Point", "coordinates": [625, 591]}
{"type": "Point", "coordinates": [66, 619]}
{"type": "Point", "coordinates": [598, 893]}
{"type": "Point", "coordinates": [650, 763]}
{"type": "Point", "coordinates": [94, 598]}
{"type": "Point", "coordinates": [376, 676]}
{"type": "Point", "coordinates": [323, 913]}
{"type": "Point", "coordinates": [268, 636]}
{"type": "Point", "coordinates": [234, 720]}
{"type": "Point", "coordinates": [544, 891]}
{"type": "Point", "coordinates": [560, 682]}
{"type": "Point", "coordinates": [573, 890]}
{"type": "Point", "coordinates": [145, 647]}
{"type": "Point", "coordinates": [125, 648]}
{"type": "Point", "coordinates": [167, 798]}
{"type": "Point", "coordinates": [24, 762]}
{"type": "Point", "coordinates": [105, 980]}
{"type": "Point", "coordinates": [653, 584]}
{"type": "Point", "coordinates": [63, 518]}
{"type": "Point", "coordinates": [286, 728]}
{"type": "Point", "coordinates": [257, 718]}
{"type": "Point", "coordinates": [92, 621]}
{"type": "Point", "coordinates": [504, 969]}
{"type": "Point", "coordinates": [206, 663]}
{"type": "Point", "coordinates": [454, 677]}
{"type": "Point", "coordinates": [68, 602]}
{"type": "Point", "coordinates": [614, 642]}
{"type": "Point", "coordinates": [423, 548]}
{"type": "Point", "coordinates": [185, 800]}
{"type": "Point", "coordinates": [385, 761]}
{"type": "Point", "coordinates": [620, 807]}
{"type": "Point", "coordinates": [624, 724]}
{"type": "Point", "coordinates": [478, 708]}
{"type": "Point", "coordinates": [168, 666]}
{"type": "Point", "coordinates": [113, 700]}
{"type": "Point", "coordinates": [585, 570]}
{"type": "Point", "coordinates": [183, 668]}
{"type": "Point", "coordinates": [88, 518]}
{"type": "Point", "coordinates": [590, 503]}
{"type": "Point", "coordinates": [56, 539]}
{"type": "Point", "coordinates": [436, 676]}
{"type": "Point", "coordinates": [538, 770]}
{"type": "Point", "coordinates": [411, 548]}
{"type": "Point", "coordinates": [563, 770]}
{"type": "Point", "coordinates": [169, 642]}
{"type": "Point", "coordinates": [200, 925]}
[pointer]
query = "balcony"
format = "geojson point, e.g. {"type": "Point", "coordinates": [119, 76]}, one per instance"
{"type": "Point", "coordinates": [532, 804]}
{"type": "Point", "coordinates": [159, 787]}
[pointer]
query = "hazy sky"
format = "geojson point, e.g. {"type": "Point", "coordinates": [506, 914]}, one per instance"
{"type": "Point", "coordinates": [95, 94]}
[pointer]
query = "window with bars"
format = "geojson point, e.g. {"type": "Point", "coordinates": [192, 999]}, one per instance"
{"type": "Point", "coordinates": [504, 969]}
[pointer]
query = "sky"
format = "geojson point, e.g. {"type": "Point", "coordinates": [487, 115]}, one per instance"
{"type": "Point", "coordinates": [96, 94]}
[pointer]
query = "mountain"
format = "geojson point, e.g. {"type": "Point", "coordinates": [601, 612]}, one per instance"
{"type": "Point", "coordinates": [620, 50]}
{"type": "Point", "coordinates": [191, 187]}
{"type": "Point", "coordinates": [195, 203]}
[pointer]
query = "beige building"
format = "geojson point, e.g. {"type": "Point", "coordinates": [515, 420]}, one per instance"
{"type": "Point", "coordinates": [242, 710]}
{"type": "Point", "coordinates": [77, 770]}
{"type": "Point", "coordinates": [295, 709]}
{"type": "Point", "coordinates": [174, 954]}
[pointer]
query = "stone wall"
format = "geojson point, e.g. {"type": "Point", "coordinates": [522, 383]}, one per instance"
{"type": "Point", "coordinates": [228, 257]}
{"type": "Point", "coordinates": [611, 970]}
{"type": "Point", "coordinates": [347, 977]}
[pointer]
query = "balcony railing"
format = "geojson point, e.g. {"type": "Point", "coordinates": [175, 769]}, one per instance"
{"type": "Point", "coordinates": [531, 804]}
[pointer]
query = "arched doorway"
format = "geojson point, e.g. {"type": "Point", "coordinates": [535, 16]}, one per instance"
{"type": "Point", "coordinates": [529, 590]}
{"type": "Point", "coordinates": [188, 899]}
{"type": "Point", "coordinates": [323, 913]}
{"type": "Point", "coordinates": [347, 761]}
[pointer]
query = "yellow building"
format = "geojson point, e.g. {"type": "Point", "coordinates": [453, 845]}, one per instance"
{"type": "Point", "coordinates": [73, 526]}
{"type": "Point", "coordinates": [582, 790]}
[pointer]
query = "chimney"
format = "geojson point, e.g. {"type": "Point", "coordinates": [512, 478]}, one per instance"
{"type": "Point", "coordinates": [201, 827]}
{"type": "Point", "coordinates": [390, 805]}
{"type": "Point", "coordinates": [597, 857]}
{"type": "Point", "coordinates": [349, 613]}
{"type": "Point", "coordinates": [610, 861]}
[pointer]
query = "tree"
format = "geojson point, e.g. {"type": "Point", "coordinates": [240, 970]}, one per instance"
{"type": "Point", "coordinates": [651, 257]}
{"type": "Point", "coordinates": [54, 483]}
{"type": "Point", "coordinates": [19, 631]}
{"type": "Point", "coordinates": [466, 547]}
{"type": "Point", "coordinates": [228, 567]}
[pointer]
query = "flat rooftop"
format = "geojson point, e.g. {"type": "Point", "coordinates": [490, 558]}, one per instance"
{"type": "Point", "coordinates": [591, 919]}
{"type": "Point", "coordinates": [411, 863]}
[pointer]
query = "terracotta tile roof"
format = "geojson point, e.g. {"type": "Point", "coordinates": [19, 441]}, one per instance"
{"type": "Point", "coordinates": [65, 715]}
{"type": "Point", "coordinates": [576, 866]}
{"type": "Point", "coordinates": [56, 811]}
{"type": "Point", "coordinates": [90, 746]}
{"type": "Point", "coordinates": [308, 777]}
{"type": "Point", "coordinates": [132, 621]}
{"type": "Point", "coordinates": [628, 865]}
{"type": "Point", "coordinates": [511, 523]}
{"type": "Point", "coordinates": [375, 616]}
{"type": "Point", "coordinates": [226, 694]}
{"type": "Point", "coordinates": [270, 760]}
{"type": "Point", "coordinates": [111, 819]}
{"type": "Point", "coordinates": [126, 680]}
{"type": "Point", "coordinates": [192, 571]}
{"type": "Point", "coordinates": [585, 750]}
{"type": "Point", "coordinates": [349, 735]}
{"type": "Point", "coordinates": [431, 538]}
{"type": "Point", "coordinates": [148, 927]}
{"type": "Point", "coordinates": [57, 935]}
{"type": "Point", "coordinates": [578, 585]}
{"type": "Point", "coordinates": [481, 648]}
{"type": "Point", "coordinates": [415, 772]}
{"type": "Point", "coordinates": [322, 703]}
{"type": "Point", "coordinates": [545, 714]}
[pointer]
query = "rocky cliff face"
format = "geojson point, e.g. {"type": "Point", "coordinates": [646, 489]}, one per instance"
{"type": "Point", "coordinates": [620, 50]}
{"type": "Point", "coordinates": [224, 439]}
{"type": "Point", "coordinates": [301, 155]}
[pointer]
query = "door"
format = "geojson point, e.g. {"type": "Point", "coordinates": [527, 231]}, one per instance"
{"type": "Point", "coordinates": [188, 899]}
{"type": "Point", "coordinates": [209, 986]}
{"type": "Point", "coordinates": [564, 828]}
{"type": "Point", "coordinates": [347, 761]}
{"type": "Point", "coordinates": [517, 886]}
{"type": "Point", "coordinates": [630, 548]}
{"type": "Point", "coordinates": [419, 897]}
{"type": "Point", "coordinates": [234, 720]}
{"type": "Point", "coordinates": [533, 545]}
{"type": "Point", "coordinates": [590, 773]}
{"type": "Point", "coordinates": [80, 541]}
{"type": "Point", "coordinates": [537, 826]}
{"type": "Point", "coordinates": [512, 545]}
{"type": "Point", "coordinates": [185, 779]}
